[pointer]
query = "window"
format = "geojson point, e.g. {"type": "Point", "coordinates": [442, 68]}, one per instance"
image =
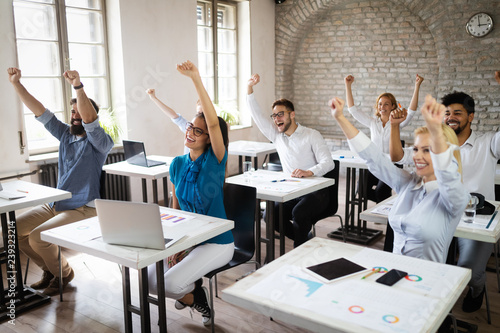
{"type": "Point", "coordinates": [218, 57]}
{"type": "Point", "coordinates": [53, 36]}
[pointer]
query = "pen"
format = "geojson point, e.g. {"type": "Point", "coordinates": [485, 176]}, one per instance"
{"type": "Point", "coordinates": [22, 191]}
{"type": "Point", "coordinates": [346, 156]}
{"type": "Point", "coordinates": [371, 273]}
{"type": "Point", "coordinates": [492, 218]}
{"type": "Point", "coordinates": [399, 104]}
{"type": "Point", "coordinates": [278, 181]}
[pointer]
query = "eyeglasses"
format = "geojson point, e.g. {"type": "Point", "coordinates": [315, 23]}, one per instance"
{"type": "Point", "coordinates": [196, 130]}
{"type": "Point", "coordinates": [279, 114]}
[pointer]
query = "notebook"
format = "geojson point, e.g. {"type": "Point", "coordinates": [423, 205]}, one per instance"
{"type": "Point", "coordinates": [132, 224]}
{"type": "Point", "coordinates": [135, 153]}
{"type": "Point", "coordinates": [10, 195]}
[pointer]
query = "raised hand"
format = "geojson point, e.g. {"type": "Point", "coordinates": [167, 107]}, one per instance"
{"type": "Point", "coordinates": [432, 112]}
{"type": "Point", "coordinates": [72, 77]}
{"type": "Point", "coordinates": [349, 79]}
{"type": "Point", "coordinates": [397, 116]}
{"type": "Point", "coordinates": [337, 107]}
{"type": "Point", "coordinates": [188, 68]}
{"type": "Point", "coordinates": [254, 80]}
{"type": "Point", "coordinates": [151, 93]}
{"type": "Point", "coordinates": [418, 80]}
{"type": "Point", "coordinates": [14, 74]}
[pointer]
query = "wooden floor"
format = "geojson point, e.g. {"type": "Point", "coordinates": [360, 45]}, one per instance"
{"type": "Point", "coordinates": [93, 301]}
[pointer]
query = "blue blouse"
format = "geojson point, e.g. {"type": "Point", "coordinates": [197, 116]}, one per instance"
{"type": "Point", "coordinates": [199, 187]}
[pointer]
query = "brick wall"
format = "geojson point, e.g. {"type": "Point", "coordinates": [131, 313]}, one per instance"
{"type": "Point", "coordinates": [384, 44]}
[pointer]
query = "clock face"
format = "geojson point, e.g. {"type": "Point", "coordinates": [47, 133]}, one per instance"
{"type": "Point", "coordinates": [479, 25]}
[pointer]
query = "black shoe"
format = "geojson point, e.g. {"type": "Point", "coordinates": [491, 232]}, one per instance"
{"type": "Point", "coordinates": [180, 305]}
{"type": "Point", "coordinates": [201, 305]}
{"type": "Point", "coordinates": [472, 304]}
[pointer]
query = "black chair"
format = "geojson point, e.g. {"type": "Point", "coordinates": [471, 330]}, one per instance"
{"type": "Point", "coordinates": [239, 202]}
{"type": "Point", "coordinates": [274, 163]}
{"type": "Point", "coordinates": [331, 210]}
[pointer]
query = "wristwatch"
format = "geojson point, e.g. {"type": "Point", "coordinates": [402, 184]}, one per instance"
{"type": "Point", "coordinates": [78, 87]}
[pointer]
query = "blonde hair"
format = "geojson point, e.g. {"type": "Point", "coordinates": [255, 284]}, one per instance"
{"type": "Point", "coordinates": [450, 136]}
{"type": "Point", "coordinates": [391, 98]}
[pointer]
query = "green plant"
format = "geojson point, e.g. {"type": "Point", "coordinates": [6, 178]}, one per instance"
{"type": "Point", "coordinates": [110, 124]}
{"type": "Point", "coordinates": [231, 117]}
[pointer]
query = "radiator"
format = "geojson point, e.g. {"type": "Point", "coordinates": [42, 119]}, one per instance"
{"type": "Point", "coordinates": [113, 187]}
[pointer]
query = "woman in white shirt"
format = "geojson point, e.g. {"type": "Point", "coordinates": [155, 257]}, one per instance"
{"type": "Point", "coordinates": [430, 200]}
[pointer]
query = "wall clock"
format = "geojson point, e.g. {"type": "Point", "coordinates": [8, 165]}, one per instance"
{"type": "Point", "coordinates": [479, 25]}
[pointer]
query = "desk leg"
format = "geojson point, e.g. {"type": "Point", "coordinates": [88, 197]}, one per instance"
{"type": "Point", "coordinates": [160, 285]}
{"type": "Point", "coordinates": [240, 164]}
{"type": "Point", "coordinates": [155, 191]}
{"type": "Point", "coordinates": [144, 190]}
{"type": "Point", "coordinates": [255, 163]}
{"type": "Point", "coordinates": [143, 300]}
{"type": "Point", "coordinates": [270, 231]}
{"type": "Point", "coordinates": [165, 192]}
{"type": "Point", "coordinates": [282, 229]}
{"type": "Point", "coordinates": [127, 300]}
{"type": "Point", "coordinates": [257, 232]}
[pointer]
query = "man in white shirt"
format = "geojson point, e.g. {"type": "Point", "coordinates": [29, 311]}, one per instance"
{"type": "Point", "coordinates": [303, 153]}
{"type": "Point", "coordinates": [480, 153]}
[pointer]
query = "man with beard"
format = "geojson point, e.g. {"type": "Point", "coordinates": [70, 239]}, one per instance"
{"type": "Point", "coordinates": [83, 148]}
{"type": "Point", "coordinates": [480, 153]}
{"type": "Point", "coordinates": [303, 153]}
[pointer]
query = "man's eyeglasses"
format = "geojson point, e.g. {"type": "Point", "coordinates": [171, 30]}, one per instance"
{"type": "Point", "coordinates": [196, 130]}
{"type": "Point", "coordinates": [279, 114]}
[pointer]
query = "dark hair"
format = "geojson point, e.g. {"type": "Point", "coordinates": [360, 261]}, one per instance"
{"type": "Point", "coordinates": [223, 128]}
{"type": "Point", "coordinates": [458, 97]}
{"type": "Point", "coordinates": [286, 103]}
{"type": "Point", "coordinates": [94, 104]}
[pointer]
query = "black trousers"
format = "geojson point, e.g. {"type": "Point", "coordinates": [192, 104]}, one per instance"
{"type": "Point", "coordinates": [300, 214]}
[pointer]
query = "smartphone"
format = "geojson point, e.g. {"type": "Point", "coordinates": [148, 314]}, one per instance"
{"type": "Point", "coordinates": [391, 277]}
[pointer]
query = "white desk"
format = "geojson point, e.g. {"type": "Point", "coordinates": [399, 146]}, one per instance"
{"type": "Point", "coordinates": [354, 205]}
{"type": "Point", "coordinates": [75, 236]}
{"type": "Point", "coordinates": [250, 149]}
{"type": "Point", "coordinates": [284, 291]}
{"type": "Point", "coordinates": [26, 298]}
{"type": "Point", "coordinates": [279, 191]}
{"type": "Point", "coordinates": [153, 173]}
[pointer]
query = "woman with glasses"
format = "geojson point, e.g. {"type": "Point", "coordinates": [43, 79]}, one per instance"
{"type": "Point", "coordinates": [197, 186]}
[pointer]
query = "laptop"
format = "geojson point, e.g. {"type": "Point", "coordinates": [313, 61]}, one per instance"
{"type": "Point", "coordinates": [9, 195]}
{"type": "Point", "coordinates": [135, 153]}
{"type": "Point", "coordinates": [132, 224]}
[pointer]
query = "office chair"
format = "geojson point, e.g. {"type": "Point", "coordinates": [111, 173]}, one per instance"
{"type": "Point", "coordinates": [239, 202]}
{"type": "Point", "coordinates": [274, 163]}
{"type": "Point", "coordinates": [332, 208]}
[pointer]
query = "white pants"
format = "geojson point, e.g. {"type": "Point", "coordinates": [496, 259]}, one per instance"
{"type": "Point", "coordinates": [179, 279]}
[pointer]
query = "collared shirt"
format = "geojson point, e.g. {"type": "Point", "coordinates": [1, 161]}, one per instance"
{"type": "Point", "coordinates": [305, 149]}
{"type": "Point", "coordinates": [379, 133]}
{"type": "Point", "coordinates": [479, 155]}
{"type": "Point", "coordinates": [80, 160]}
{"type": "Point", "coordinates": [423, 217]}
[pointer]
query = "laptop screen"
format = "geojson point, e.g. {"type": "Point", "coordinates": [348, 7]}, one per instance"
{"type": "Point", "coordinates": [134, 152]}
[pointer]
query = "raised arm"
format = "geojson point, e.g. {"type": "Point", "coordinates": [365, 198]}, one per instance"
{"type": "Point", "coordinates": [85, 108]}
{"type": "Point", "coordinates": [337, 108]}
{"type": "Point", "coordinates": [189, 69]}
{"type": "Point", "coordinates": [433, 114]}
{"type": "Point", "coordinates": [162, 106]}
{"type": "Point", "coordinates": [255, 79]}
{"type": "Point", "coordinates": [31, 102]}
{"type": "Point", "coordinates": [348, 80]}
{"type": "Point", "coordinates": [414, 99]}
{"type": "Point", "coordinates": [395, 148]}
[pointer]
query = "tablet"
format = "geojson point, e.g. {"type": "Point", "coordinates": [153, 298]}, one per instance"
{"type": "Point", "coordinates": [335, 269]}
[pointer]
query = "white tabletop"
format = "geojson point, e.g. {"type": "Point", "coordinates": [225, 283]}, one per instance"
{"type": "Point", "coordinates": [284, 290]}
{"type": "Point", "coordinates": [476, 231]}
{"type": "Point", "coordinates": [126, 169]}
{"type": "Point", "coordinates": [278, 186]}
{"type": "Point", "coordinates": [250, 148]}
{"type": "Point", "coordinates": [35, 194]}
{"type": "Point", "coordinates": [349, 159]}
{"type": "Point", "coordinates": [74, 236]}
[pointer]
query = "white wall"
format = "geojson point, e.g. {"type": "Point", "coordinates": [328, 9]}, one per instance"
{"type": "Point", "coordinates": [147, 39]}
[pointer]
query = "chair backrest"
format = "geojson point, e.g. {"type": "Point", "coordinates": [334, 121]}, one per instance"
{"type": "Point", "coordinates": [239, 202]}
{"type": "Point", "coordinates": [274, 163]}
{"type": "Point", "coordinates": [334, 190]}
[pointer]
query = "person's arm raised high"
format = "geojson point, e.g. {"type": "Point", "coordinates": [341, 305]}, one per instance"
{"type": "Point", "coordinates": [162, 106]}
{"type": "Point", "coordinates": [31, 102]}
{"type": "Point", "coordinates": [189, 69]}
{"type": "Point", "coordinates": [395, 147]}
{"type": "Point", "coordinates": [85, 108]}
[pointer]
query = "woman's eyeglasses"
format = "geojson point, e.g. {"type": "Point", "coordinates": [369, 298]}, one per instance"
{"type": "Point", "coordinates": [196, 130]}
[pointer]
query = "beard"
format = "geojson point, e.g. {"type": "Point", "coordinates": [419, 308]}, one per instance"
{"type": "Point", "coordinates": [76, 129]}
{"type": "Point", "coordinates": [459, 128]}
